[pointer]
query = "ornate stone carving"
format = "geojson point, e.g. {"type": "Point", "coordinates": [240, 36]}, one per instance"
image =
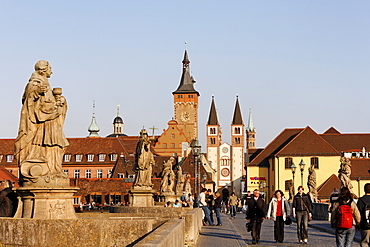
{"type": "Point", "coordinates": [167, 176]}
{"type": "Point", "coordinates": [344, 173]}
{"type": "Point", "coordinates": [40, 144]}
{"type": "Point", "coordinates": [144, 161]}
{"type": "Point", "coordinates": [311, 183]}
{"type": "Point", "coordinates": [179, 181]}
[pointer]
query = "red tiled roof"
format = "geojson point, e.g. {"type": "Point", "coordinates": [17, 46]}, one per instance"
{"type": "Point", "coordinates": [273, 147]}
{"type": "Point", "coordinates": [6, 175]}
{"type": "Point", "coordinates": [344, 142]}
{"type": "Point", "coordinates": [307, 142]}
{"type": "Point", "coordinates": [331, 130]}
{"type": "Point", "coordinates": [360, 168]}
{"type": "Point", "coordinates": [326, 188]}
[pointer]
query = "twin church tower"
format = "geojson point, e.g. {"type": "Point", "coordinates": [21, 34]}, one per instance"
{"type": "Point", "coordinates": [227, 159]}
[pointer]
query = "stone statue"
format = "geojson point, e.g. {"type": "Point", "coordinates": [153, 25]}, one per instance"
{"type": "Point", "coordinates": [40, 144]}
{"type": "Point", "coordinates": [291, 190]}
{"type": "Point", "coordinates": [344, 173]}
{"type": "Point", "coordinates": [311, 183]}
{"type": "Point", "coordinates": [8, 200]}
{"type": "Point", "coordinates": [187, 184]}
{"type": "Point", "coordinates": [144, 161]}
{"type": "Point", "coordinates": [179, 181]}
{"type": "Point", "coordinates": [167, 176]}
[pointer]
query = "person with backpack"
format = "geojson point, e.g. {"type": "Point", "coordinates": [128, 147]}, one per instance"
{"type": "Point", "coordinates": [363, 205]}
{"type": "Point", "coordinates": [345, 216]}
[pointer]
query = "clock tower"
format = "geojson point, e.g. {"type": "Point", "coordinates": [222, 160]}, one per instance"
{"type": "Point", "coordinates": [185, 100]}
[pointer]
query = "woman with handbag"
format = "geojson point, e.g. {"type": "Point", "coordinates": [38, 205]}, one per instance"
{"type": "Point", "coordinates": [302, 210]}
{"type": "Point", "coordinates": [279, 210]}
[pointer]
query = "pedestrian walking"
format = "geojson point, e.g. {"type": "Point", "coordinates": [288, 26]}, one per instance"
{"type": "Point", "coordinates": [233, 202]}
{"type": "Point", "coordinates": [256, 214]}
{"type": "Point", "coordinates": [302, 210]}
{"type": "Point", "coordinates": [345, 216]}
{"type": "Point", "coordinates": [363, 205]}
{"type": "Point", "coordinates": [279, 210]}
{"type": "Point", "coordinates": [210, 203]}
{"type": "Point", "coordinates": [218, 202]}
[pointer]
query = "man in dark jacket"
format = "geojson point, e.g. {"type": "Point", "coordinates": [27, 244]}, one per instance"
{"type": "Point", "coordinates": [361, 205]}
{"type": "Point", "coordinates": [256, 213]}
{"type": "Point", "coordinates": [302, 210]}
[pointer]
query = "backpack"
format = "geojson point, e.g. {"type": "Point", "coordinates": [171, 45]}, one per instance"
{"type": "Point", "coordinates": [344, 216]}
{"type": "Point", "coordinates": [367, 214]}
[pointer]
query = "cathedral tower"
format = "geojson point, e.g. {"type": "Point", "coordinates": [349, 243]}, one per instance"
{"type": "Point", "coordinates": [251, 133]}
{"type": "Point", "coordinates": [237, 147]}
{"type": "Point", "coordinates": [186, 102]}
{"type": "Point", "coordinates": [214, 138]}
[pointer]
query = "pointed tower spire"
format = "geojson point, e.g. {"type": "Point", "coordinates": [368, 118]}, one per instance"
{"type": "Point", "coordinates": [237, 119]}
{"type": "Point", "coordinates": [93, 128]}
{"type": "Point", "coordinates": [186, 81]}
{"type": "Point", "coordinates": [213, 118]}
{"type": "Point", "coordinates": [250, 122]}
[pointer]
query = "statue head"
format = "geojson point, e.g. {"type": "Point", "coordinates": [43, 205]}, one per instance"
{"type": "Point", "coordinates": [43, 68]}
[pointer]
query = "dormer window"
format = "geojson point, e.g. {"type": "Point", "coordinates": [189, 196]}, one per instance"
{"type": "Point", "coordinates": [1, 157]}
{"type": "Point", "coordinates": [113, 157]}
{"type": "Point", "coordinates": [101, 157]}
{"type": "Point", "coordinates": [78, 157]}
{"type": "Point", "coordinates": [9, 158]}
{"type": "Point", "coordinates": [67, 158]}
{"type": "Point", "coordinates": [90, 157]}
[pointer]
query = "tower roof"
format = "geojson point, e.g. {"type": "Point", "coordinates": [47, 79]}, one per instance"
{"type": "Point", "coordinates": [186, 81]}
{"type": "Point", "coordinates": [237, 119]}
{"type": "Point", "coordinates": [250, 127]}
{"type": "Point", "coordinates": [93, 128]}
{"type": "Point", "coordinates": [118, 119]}
{"type": "Point", "coordinates": [213, 119]}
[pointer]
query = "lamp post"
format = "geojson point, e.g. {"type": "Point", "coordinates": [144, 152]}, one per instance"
{"type": "Point", "coordinates": [195, 149]}
{"type": "Point", "coordinates": [301, 166]}
{"type": "Point", "coordinates": [293, 167]}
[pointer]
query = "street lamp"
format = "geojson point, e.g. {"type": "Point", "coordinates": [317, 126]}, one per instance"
{"type": "Point", "coordinates": [293, 167]}
{"type": "Point", "coordinates": [195, 149]}
{"type": "Point", "coordinates": [301, 166]}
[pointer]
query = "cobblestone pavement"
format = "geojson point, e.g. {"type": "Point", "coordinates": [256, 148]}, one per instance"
{"type": "Point", "coordinates": [233, 233]}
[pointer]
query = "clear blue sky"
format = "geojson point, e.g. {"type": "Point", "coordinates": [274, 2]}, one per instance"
{"type": "Point", "coordinates": [295, 63]}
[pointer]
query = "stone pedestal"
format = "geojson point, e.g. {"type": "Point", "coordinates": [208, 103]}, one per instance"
{"type": "Point", "coordinates": [169, 196]}
{"type": "Point", "coordinates": [142, 197]}
{"type": "Point", "coordinates": [46, 203]}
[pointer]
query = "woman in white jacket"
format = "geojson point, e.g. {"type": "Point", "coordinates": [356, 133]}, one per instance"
{"type": "Point", "coordinates": [279, 210]}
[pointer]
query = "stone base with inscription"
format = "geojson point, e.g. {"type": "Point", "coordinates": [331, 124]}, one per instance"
{"type": "Point", "coordinates": [46, 203]}
{"type": "Point", "coordinates": [169, 197]}
{"type": "Point", "coordinates": [142, 197]}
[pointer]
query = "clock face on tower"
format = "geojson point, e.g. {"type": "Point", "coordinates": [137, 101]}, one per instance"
{"type": "Point", "coordinates": [185, 116]}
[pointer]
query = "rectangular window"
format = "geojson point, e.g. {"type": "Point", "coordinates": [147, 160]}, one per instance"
{"type": "Point", "coordinates": [179, 96]}
{"type": "Point", "coordinates": [121, 175]}
{"type": "Point", "coordinates": [66, 171]}
{"type": "Point", "coordinates": [100, 173]}
{"type": "Point", "coordinates": [113, 157]}
{"type": "Point", "coordinates": [190, 96]}
{"type": "Point", "coordinates": [237, 140]}
{"type": "Point", "coordinates": [315, 162]}
{"type": "Point", "coordinates": [109, 175]}
{"type": "Point", "coordinates": [78, 157]}
{"type": "Point", "coordinates": [67, 158]}
{"type": "Point", "coordinates": [76, 200]}
{"type": "Point", "coordinates": [9, 158]}
{"type": "Point", "coordinates": [288, 163]}
{"type": "Point", "coordinates": [213, 140]}
{"type": "Point", "coordinates": [172, 136]}
{"type": "Point", "coordinates": [172, 145]}
{"type": "Point", "coordinates": [90, 157]}
{"type": "Point", "coordinates": [1, 157]}
{"type": "Point", "coordinates": [101, 157]}
{"type": "Point", "coordinates": [77, 174]}
{"type": "Point", "coordinates": [164, 145]}
{"type": "Point", "coordinates": [88, 173]}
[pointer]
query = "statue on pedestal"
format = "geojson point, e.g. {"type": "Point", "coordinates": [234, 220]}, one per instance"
{"type": "Point", "coordinates": [179, 181]}
{"type": "Point", "coordinates": [144, 161]}
{"type": "Point", "coordinates": [311, 183]}
{"type": "Point", "coordinates": [167, 176]}
{"type": "Point", "coordinates": [344, 173]}
{"type": "Point", "coordinates": [187, 184]}
{"type": "Point", "coordinates": [40, 144]}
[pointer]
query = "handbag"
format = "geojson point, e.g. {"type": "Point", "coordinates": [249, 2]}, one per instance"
{"type": "Point", "coordinates": [244, 208]}
{"type": "Point", "coordinates": [288, 221]}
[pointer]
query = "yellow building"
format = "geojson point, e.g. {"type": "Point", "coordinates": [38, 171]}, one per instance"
{"type": "Point", "coordinates": [271, 169]}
